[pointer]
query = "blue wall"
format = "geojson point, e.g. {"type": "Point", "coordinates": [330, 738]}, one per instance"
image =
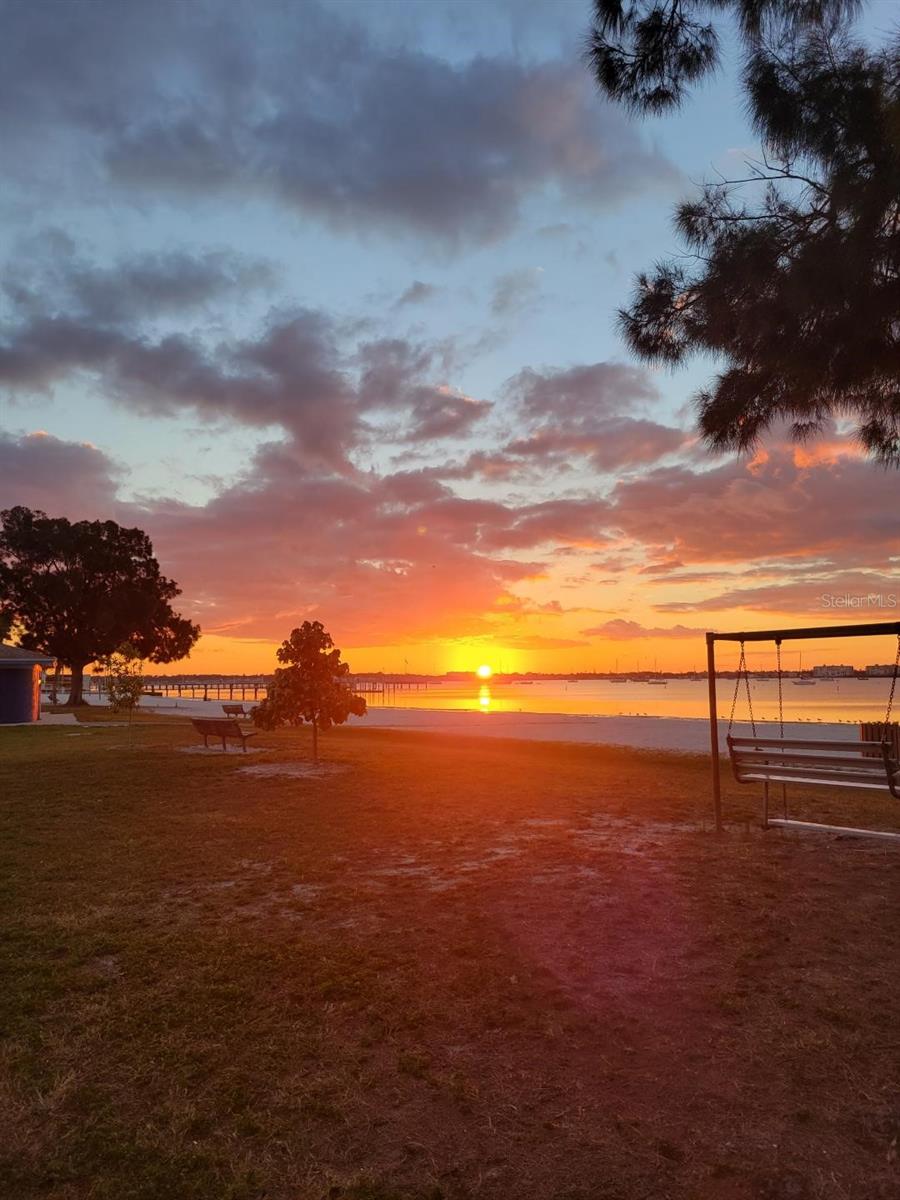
{"type": "Point", "coordinates": [20, 694]}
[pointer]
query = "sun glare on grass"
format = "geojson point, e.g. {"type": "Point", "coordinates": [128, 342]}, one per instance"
{"type": "Point", "coordinates": [484, 671]}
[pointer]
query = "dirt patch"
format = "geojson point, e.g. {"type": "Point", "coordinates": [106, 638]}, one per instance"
{"type": "Point", "coordinates": [217, 750]}
{"type": "Point", "coordinates": [303, 770]}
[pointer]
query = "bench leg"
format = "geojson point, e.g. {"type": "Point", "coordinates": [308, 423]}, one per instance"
{"type": "Point", "coordinates": [205, 742]}
{"type": "Point", "coordinates": [224, 747]}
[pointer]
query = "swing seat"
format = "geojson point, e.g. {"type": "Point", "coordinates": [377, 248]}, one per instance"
{"type": "Point", "coordinates": [814, 761]}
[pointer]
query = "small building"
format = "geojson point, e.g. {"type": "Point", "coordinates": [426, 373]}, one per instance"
{"type": "Point", "coordinates": [20, 684]}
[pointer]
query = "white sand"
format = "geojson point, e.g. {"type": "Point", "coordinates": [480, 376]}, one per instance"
{"type": "Point", "coordinates": [687, 734]}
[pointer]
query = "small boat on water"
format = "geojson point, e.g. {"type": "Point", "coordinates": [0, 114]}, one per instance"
{"type": "Point", "coordinates": [804, 682]}
{"type": "Point", "coordinates": [658, 682]}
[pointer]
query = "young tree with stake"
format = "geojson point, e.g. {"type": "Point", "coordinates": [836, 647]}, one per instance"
{"type": "Point", "coordinates": [311, 688]}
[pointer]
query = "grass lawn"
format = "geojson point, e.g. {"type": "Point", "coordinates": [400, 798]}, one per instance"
{"type": "Point", "coordinates": [445, 968]}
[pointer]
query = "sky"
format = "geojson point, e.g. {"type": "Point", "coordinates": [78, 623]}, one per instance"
{"type": "Point", "coordinates": [323, 297]}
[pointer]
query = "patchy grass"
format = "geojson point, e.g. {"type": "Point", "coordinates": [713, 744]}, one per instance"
{"type": "Point", "coordinates": [453, 968]}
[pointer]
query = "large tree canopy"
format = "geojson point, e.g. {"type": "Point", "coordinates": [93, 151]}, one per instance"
{"type": "Point", "coordinates": [793, 272]}
{"type": "Point", "coordinates": [647, 53]}
{"type": "Point", "coordinates": [79, 590]}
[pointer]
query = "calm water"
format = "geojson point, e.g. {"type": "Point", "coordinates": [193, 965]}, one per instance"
{"type": "Point", "coordinates": [837, 700]}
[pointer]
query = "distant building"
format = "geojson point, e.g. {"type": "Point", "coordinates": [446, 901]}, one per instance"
{"type": "Point", "coordinates": [20, 685]}
{"type": "Point", "coordinates": [879, 669]}
{"type": "Point", "coordinates": [833, 672]}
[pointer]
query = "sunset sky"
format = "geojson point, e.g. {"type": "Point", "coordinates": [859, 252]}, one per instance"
{"type": "Point", "coordinates": [323, 297]}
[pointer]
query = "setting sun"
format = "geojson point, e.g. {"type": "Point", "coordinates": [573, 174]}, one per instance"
{"type": "Point", "coordinates": [484, 671]}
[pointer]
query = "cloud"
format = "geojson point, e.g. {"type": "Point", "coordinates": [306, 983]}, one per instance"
{"type": "Point", "coordinates": [138, 286]}
{"type": "Point", "coordinates": [840, 594]}
{"type": "Point", "coordinates": [300, 371]}
{"type": "Point", "coordinates": [769, 509]}
{"type": "Point", "coordinates": [586, 412]}
{"type": "Point", "coordinates": [584, 392]}
{"type": "Point", "coordinates": [72, 478]}
{"type": "Point", "coordinates": [381, 558]}
{"type": "Point", "coordinates": [610, 444]}
{"type": "Point", "coordinates": [308, 110]}
{"type": "Point", "coordinates": [621, 630]}
{"type": "Point", "coordinates": [537, 642]}
{"type": "Point", "coordinates": [516, 292]}
{"type": "Point", "coordinates": [417, 293]}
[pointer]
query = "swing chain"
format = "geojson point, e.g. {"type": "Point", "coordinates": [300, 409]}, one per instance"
{"type": "Point", "coordinates": [780, 687]}
{"type": "Point", "coordinates": [887, 715]}
{"type": "Point", "coordinates": [742, 670]}
{"type": "Point", "coordinates": [747, 685]}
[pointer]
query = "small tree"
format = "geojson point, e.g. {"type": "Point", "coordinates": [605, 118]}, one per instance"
{"type": "Point", "coordinates": [313, 688]}
{"type": "Point", "coordinates": [124, 679]}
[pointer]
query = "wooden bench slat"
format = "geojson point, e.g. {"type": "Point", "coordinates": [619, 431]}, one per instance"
{"type": "Point", "coordinates": [814, 780]}
{"type": "Point", "coordinates": [812, 760]}
{"type": "Point", "coordinates": [804, 744]}
{"type": "Point", "coordinates": [811, 769]}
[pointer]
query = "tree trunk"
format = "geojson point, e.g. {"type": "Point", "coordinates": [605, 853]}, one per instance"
{"type": "Point", "coordinates": [76, 691]}
{"type": "Point", "coordinates": [315, 726]}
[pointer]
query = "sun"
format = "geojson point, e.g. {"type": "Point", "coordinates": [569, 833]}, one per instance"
{"type": "Point", "coordinates": [484, 671]}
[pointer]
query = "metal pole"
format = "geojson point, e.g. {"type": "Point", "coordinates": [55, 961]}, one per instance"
{"type": "Point", "coordinates": [714, 730]}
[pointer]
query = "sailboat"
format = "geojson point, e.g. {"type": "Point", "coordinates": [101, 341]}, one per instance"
{"type": "Point", "coordinates": [658, 682]}
{"type": "Point", "coordinates": [801, 682]}
{"type": "Point", "coordinates": [617, 678]}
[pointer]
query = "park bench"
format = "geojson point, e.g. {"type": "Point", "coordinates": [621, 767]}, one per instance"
{"type": "Point", "coordinates": [233, 710]}
{"type": "Point", "coordinates": [221, 728]}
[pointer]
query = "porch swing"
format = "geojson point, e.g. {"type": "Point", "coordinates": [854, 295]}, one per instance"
{"type": "Point", "coordinates": [820, 762]}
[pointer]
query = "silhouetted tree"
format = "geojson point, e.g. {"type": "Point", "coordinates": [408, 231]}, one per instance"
{"type": "Point", "coordinates": [647, 53]}
{"type": "Point", "coordinates": [78, 590]}
{"type": "Point", "coordinates": [313, 688]}
{"type": "Point", "coordinates": [793, 276]}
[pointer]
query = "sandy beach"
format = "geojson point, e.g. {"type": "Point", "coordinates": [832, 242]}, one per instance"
{"type": "Point", "coordinates": [688, 735]}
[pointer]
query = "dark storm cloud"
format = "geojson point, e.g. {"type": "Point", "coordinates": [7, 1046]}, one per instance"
{"type": "Point", "coordinates": [295, 104]}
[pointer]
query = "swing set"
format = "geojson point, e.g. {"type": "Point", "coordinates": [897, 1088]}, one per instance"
{"type": "Point", "coordinates": [779, 760]}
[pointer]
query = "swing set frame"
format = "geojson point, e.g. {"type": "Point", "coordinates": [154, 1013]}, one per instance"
{"type": "Point", "coordinates": [875, 629]}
